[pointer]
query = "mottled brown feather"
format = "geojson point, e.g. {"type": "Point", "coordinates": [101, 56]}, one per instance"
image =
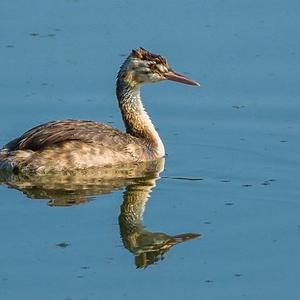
{"type": "Point", "coordinates": [143, 54]}
{"type": "Point", "coordinates": [53, 133]}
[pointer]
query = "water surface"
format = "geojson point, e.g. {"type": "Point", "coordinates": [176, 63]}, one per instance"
{"type": "Point", "coordinates": [232, 169]}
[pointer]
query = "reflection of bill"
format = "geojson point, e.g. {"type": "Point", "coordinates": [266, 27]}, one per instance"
{"type": "Point", "coordinates": [138, 179]}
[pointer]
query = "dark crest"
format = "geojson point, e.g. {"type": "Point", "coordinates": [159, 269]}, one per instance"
{"type": "Point", "coordinates": [144, 54]}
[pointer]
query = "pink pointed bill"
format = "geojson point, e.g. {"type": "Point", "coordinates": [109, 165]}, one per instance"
{"type": "Point", "coordinates": [174, 76]}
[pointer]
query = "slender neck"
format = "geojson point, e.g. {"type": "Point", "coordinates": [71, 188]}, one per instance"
{"type": "Point", "coordinates": [135, 118]}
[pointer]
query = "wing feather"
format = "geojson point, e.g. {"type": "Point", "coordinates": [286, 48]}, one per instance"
{"type": "Point", "coordinates": [56, 132]}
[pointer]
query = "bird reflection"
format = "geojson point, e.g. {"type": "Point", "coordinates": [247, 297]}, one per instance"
{"type": "Point", "coordinates": [76, 188]}
{"type": "Point", "coordinates": [148, 247]}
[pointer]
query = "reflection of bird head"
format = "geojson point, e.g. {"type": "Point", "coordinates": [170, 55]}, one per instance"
{"type": "Point", "coordinates": [153, 246]}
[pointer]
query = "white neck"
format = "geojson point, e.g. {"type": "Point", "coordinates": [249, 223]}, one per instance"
{"type": "Point", "coordinates": [136, 119]}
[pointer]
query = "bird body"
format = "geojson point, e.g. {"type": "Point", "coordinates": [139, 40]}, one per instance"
{"type": "Point", "coordinates": [71, 145]}
{"type": "Point", "coordinates": [75, 144]}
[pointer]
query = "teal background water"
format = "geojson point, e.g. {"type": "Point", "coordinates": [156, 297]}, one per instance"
{"type": "Point", "coordinates": [238, 132]}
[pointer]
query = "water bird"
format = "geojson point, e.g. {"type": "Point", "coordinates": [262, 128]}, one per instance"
{"type": "Point", "coordinates": [69, 145]}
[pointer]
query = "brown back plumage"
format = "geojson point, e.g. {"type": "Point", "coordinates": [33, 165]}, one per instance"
{"type": "Point", "coordinates": [53, 133]}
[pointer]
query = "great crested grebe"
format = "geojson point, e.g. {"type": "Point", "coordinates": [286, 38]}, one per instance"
{"type": "Point", "coordinates": [76, 144]}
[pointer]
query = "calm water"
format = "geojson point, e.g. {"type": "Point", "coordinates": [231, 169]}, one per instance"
{"type": "Point", "coordinates": [232, 170]}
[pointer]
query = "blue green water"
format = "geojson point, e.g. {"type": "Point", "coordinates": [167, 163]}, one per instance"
{"type": "Point", "coordinates": [237, 136]}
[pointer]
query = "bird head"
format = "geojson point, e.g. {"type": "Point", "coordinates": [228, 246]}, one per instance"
{"type": "Point", "coordinates": [142, 66]}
